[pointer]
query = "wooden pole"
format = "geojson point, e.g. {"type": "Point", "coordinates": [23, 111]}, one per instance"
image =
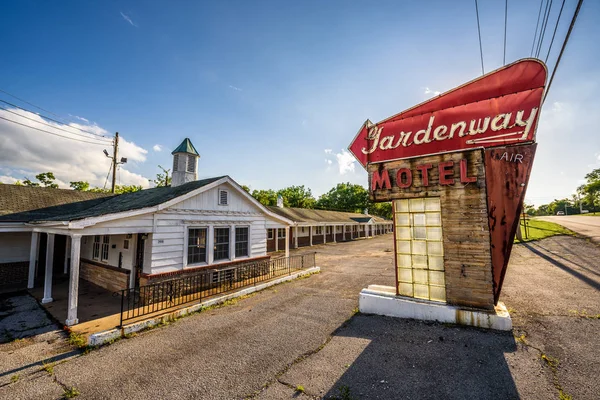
{"type": "Point", "coordinates": [114, 164]}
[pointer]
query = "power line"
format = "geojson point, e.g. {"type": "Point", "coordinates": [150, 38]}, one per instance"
{"type": "Point", "coordinates": [53, 120]}
{"type": "Point", "coordinates": [31, 104]}
{"type": "Point", "coordinates": [505, 21]}
{"type": "Point", "coordinates": [53, 127]}
{"type": "Point", "coordinates": [536, 28]}
{"type": "Point", "coordinates": [543, 29]}
{"type": "Point", "coordinates": [562, 49]}
{"type": "Point", "coordinates": [555, 28]}
{"type": "Point", "coordinates": [479, 32]}
{"type": "Point", "coordinates": [51, 133]}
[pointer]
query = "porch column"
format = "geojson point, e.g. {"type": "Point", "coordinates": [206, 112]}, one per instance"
{"type": "Point", "coordinates": [310, 231]}
{"type": "Point", "coordinates": [49, 266]}
{"type": "Point", "coordinates": [232, 242]}
{"type": "Point", "coordinates": [344, 232]}
{"type": "Point", "coordinates": [334, 228]}
{"type": "Point", "coordinates": [74, 281]}
{"type": "Point", "coordinates": [296, 237]}
{"type": "Point", "coordinates": [287, 242]}
{"type": "Point", "coordinates": [276, 239]}
{"type": "Point", "coordinates": [33, 250]}
{"type": "Point", "coordinates": [325, 234]}
{"type": "Point", "coordinates": [67, 239]}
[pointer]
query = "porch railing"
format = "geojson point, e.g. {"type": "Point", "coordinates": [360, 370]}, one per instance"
{"type": "Point", "coordinates": [162, 296]}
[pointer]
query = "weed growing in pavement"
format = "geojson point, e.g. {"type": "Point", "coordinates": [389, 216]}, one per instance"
{"type": "Point", "coordinates": [344, 394]}
{"type": "Point", "coordinates": [300, 389]}
{"type": "Point", "coordinates": [521, 339]}
{"type": "Point", "coordinates": [584, 314]}
{"type": "Point", "coordinates": [553, 362]}
{"type": "Point", "coordinates": [48, 367]}
{"type": "Point", "coordinates": [77, 340]}
{"type": "Point", "coordinates": [70, 392]}
{"type": "Point", "coordinates": [355, 311]}
{"type": "Point", "coordinates": [15, 378]}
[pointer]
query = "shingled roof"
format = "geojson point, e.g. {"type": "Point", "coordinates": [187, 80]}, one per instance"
{"type": "Point", "coordinates": [107, 205]}
{"type": "Point", "coordinates": [305, 215]}
{"type": "Point", "coordinates": [18, 199]}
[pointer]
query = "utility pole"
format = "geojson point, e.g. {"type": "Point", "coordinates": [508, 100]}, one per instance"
{"type": "Point", "coordinates": [114, 164]}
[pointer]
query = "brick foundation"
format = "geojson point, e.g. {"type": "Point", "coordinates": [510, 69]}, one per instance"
{"type": "Point", "coordinates": [106, 276]}
{"type": "Point", "coordinates": [13, 276]}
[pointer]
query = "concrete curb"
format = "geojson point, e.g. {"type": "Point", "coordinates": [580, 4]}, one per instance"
{"type": "Point", "coordinates": [382, 300]}
{"type": "Point", "coordinates": [99, 338]}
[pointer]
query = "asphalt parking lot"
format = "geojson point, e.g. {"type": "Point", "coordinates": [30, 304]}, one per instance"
{"type": "Point", "coordinates": [304, 340]}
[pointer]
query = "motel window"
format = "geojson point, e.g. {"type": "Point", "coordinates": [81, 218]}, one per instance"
{"type": "Point", "coordinates": [221, 249]}
{"type": "Point", "coordinates": [319, 230]}
{"type": "Point", "coordinates": [270, 234]}
{"type": "Point", "coordinates": [96, 248]}
{"type": "Point", "coordinates": [105, 247]}
{"type": "Point", "coordinates": [241, 242]}
{"type": "Point", "coordinates": [419, 248]}
{"type": "Point", "coordinates": [281, 233]}
{"type": "Point", "coordinates": [223, 197]}
{"type": "Point", "coordinates": [196, 245]}
{"type": "Point", "coordinates": [191, 163]}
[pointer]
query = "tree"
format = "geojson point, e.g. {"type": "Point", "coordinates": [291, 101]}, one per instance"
{"type": "Point", "coordinates": [44, 178]}
{"type": "Point", "coordinates": [29, 182]}
{"type": "Point", "coordinates": [162, 180]}
{"type": "Point", "coordinates": [591, 189]}
{"type": "Point", "coordinates": [345, 197]}
{"type": "Point", "coordinates": [265, 197]}
{"type": "Point", "coordinates": [246, 188]}
{"type": "Point", "coordinates": [81, 186]}
{"type": "Point", "coordinates": [297, 196]}
{"type": "Point", "coordinates": [383, 210]}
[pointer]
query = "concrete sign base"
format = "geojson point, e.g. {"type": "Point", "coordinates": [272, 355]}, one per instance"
{"type": "Point", "coordinates": [382, 300]}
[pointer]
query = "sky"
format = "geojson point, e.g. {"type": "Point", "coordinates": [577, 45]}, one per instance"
{"type": "Point", "coordinates": [270, 92]}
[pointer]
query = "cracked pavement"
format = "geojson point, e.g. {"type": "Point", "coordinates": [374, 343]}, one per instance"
{"type": "Point", "coordinates": [305, 333]}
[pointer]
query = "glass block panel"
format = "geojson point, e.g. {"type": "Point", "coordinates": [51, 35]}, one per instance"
{"type": "Point", "coordinates": [402, 219]}
{"type": "Point", "coordinates": [434, 233]}
{"type": "Point", "coordinates": [436, 263]}
{"type": "Point", "coordinates": [405, 289]}
{"type": "Point", "coordinates": [404, 261]}
{"type": "Point", "coordinates": [401, 205]}
{"type": "Point", "coordinates": [437, 293]}
{"type": "Point", "coordinates": [437, 278]}
{"type": "Point", "coordinates": [419, 261]}
{"type": "Point", "coordinates": [420, 276]}
{"type": "Point", "coordinates": [421, 291]}
{"type": "Point", "coordinates": [403, 246]}
{"type": "Point", "coordinates": [435, 248]}
{"type": "Point", "coordinates": [420, 232]}
{"type": "Point", "coordinates": [405, 275]}
{"type": "Point", "coordinates": [419, 219]}
{"type": "Point", "coordinates": [416, 205]}
{"type": "Point", "coordinates": [419, 247]}
{"type": "Point", "coordinates": [432, 204]}
{"type": "Point", "coordinates": [434, 219]}
{"type": "Point", "coordinates": [403, 233]}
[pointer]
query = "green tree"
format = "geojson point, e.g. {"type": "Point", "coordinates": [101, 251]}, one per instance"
{"type": "Point", "coordinates": [246, 188]}
{"type": "Point", "coordinates": [383, 210]}
{"type": "Point", "coordinates": [345, 197]}
{"type": "Point", "coordinates": [47, 179]}
{"type": "Point", "coordinates": [591, 189]}
{"type": "Point", "coordinates": [29, 182]}
{"type": "Point", "coordinates": [163, 179]}
{"type": "Point", "coordinates": [81, 186]}
{"type": "Point", "coordinates": [265, 197]}
{"type": "Point", "coordinates": [297, 196]}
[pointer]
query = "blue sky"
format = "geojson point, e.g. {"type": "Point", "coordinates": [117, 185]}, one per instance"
{"type": "Point", "coordinates": [271, 92]}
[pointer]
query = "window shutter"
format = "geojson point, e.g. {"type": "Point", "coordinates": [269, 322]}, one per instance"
{"type": "Point", "coordinates": [223, 197]}
{"type": "Point", "coordinates": [175, 162]}
{"type": "Point", "coordinates": [191, 163]}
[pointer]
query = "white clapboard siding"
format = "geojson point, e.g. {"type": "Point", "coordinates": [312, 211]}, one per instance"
{"type": "Point", "coordinates": [209, 200]}
{"type": "Point", "coordinates": [166, 255]}
{"type": "Point", "coordinates": [160, 248]}
{"type": "Point", "coordinates": [141, 221]}
{"type": "Point", "coordinates": [14, 246]}
{"type": "Point", "coordinates": [168, 242]}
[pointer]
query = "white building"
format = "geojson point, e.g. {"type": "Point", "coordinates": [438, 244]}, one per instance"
{"type": "Point", "coordinates": [121, 241]}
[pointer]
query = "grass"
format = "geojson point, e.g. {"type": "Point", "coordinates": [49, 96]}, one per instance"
{"type": "Point", "coordinates": [541, 229]}
{"type": "Point", "coordinates": [15, 378]}
{"type": "Point", "coordinates": [70, 392]}
{"type": "Point", "coordinates": [77, 340]}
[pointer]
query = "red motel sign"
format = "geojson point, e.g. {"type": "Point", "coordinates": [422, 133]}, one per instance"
{"type": "Point", "coordinates": [498, 109]}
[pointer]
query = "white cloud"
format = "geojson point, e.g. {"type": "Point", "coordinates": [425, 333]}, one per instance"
{"type": "Point", "coordinates": [128, 19]}
{"type": "Point", "coordinates": [237, 89]}
{"type": "Point", "coordinates": [434, 92]}
{"type": "Point", "coordinates": [345, 162]}
{"type": "Point", "coordinates": [27, 152]}
{"type": "Point", "coordinates": [157, 147]}
{"type": "Point", "coordinates": [7, 179]}
{"type": "Point", "coordinates": [329, 162]}
{"type": "Point", "coordinates": [328, 151]}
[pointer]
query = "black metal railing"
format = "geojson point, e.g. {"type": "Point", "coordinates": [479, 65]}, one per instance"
{"type": "Point", "coordinates": [162, 296]}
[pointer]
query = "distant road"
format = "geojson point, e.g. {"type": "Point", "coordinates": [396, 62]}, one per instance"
{"type": "Point", "coordinates": [587, 226]}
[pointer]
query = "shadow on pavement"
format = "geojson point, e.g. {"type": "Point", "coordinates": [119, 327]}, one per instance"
{"type": "Point", "coordinates": [534, 249]}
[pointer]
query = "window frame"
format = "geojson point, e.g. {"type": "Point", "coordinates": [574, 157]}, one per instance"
{"type": "Point", "coordinates": [187, 245]}
{"type": "Point", "coordinates": [96, 247]}
{"type": "Point", "coordinates": [219, 200]}
{"type": "Point", "coordinates": [247, 242]}
{"type": "Point", "coordinates": [228, 243]}
{"type": "Point", "coordinates": [318, 230]}
{"type": "Point", "coordinates": [280, 233]}
{"type": "Point", "coordinates": [270, 233]}
{"type": "Point", "coordinates": [105, 248]}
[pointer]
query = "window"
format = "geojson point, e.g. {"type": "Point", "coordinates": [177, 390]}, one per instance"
{"type": "Point", "coordinates": [221, 244]}
{"type": "Point", "coordinates": [281, 233]}
{"type": "Point", "coordinates": [241, 242]}
{"type": "Point", "coordinates": [223, 197]}
{"type": "Point", "coordinates": [191, 163]}
{"type": "Point", "coordinates": [319, 230]}
{"type": "Point", "coordinates": [302, 229]}
{"type": "Point", "coordinates": [96, 248]}
{"type": "Point", "coordinates": [419, 248]}
{"type": "Point", "coordinates": [270, 234]}
{"type": "Point", "coordinates": [175, 162]}
{"type": "Point", "coordinates": [196, 246]}
{"type": "Point", "coordinates": [105, 247]}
